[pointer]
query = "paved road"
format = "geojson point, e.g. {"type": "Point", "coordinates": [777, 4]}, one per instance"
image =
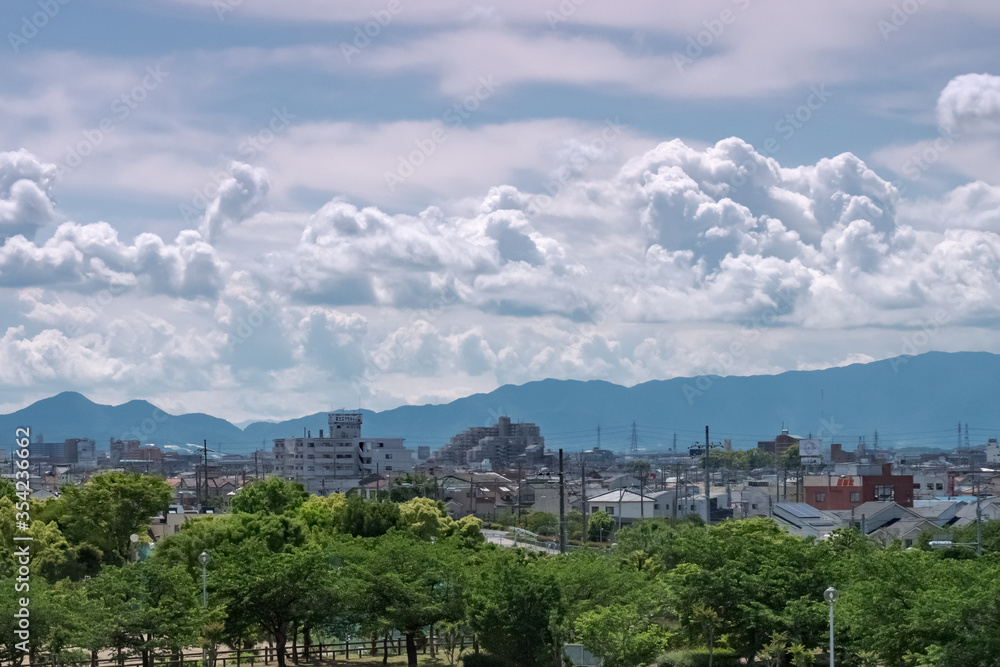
{"type": "Point", "coordinates": [502, 538]}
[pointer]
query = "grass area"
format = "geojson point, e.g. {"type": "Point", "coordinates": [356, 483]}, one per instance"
{"type": "Point", "coordinates": [423, 661]}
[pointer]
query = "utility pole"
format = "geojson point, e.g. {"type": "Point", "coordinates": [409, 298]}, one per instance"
{"type": "Point", "coordinates": [205, 445]}
{"type": "Point", "coordinates": [583, 492]}
{"type": "Point", "coordinates": [708, 481]}
{"type": "Point", "coordinates": [562, 506]}
{"type": "Point", "coordinates": [677, 485]}
{"type": "Point", "coordinates": [642, 495]}
{"type": "Point", "coordinates": [979, 526]}
{"type": "Point", "coordinates": [520, 485]}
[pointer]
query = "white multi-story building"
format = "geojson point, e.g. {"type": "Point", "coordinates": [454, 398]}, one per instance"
{"type": "Point", "coordinates": [992, 451]}
{"type": "Point", "coordinates": [336, 462]}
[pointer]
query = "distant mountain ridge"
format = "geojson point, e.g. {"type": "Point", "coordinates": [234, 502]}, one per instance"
{"type": "Point", "coordinates": [911, 401]}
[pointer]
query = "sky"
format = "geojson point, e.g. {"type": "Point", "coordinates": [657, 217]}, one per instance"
{"type": "Point", "coordinates": [262, 210]}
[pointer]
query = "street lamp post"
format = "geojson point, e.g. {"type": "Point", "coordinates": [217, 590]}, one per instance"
{"type": "Point", "coordinates": [830, 595]}
{"type": "Point", "coordinates": [203, 558]}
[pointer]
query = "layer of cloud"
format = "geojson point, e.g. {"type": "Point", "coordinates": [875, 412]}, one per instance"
{"type": "Point", "coordinates": [646, 272]}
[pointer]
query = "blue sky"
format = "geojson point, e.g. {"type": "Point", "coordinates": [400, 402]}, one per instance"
{"type": "Point", "coordinates": [257, 210]}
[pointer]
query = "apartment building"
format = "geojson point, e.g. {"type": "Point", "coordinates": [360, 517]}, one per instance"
{"type": "Point", "coordinates": [500, 444]}
{"type": "Point", "coordinates": [336, 461]}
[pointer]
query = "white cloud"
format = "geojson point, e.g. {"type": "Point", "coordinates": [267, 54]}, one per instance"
{"type": "Point", "coordinates": [240, 196]}
{"type": "Point", "coordinates": [25, 194]}
{"type": "Point", "coordinates": [91, 257]}
{"type": "Point", "coordinates": [970, 103]}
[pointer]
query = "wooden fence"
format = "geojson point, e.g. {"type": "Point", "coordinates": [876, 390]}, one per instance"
{"type": "Point", "coordinates": [264, 654]}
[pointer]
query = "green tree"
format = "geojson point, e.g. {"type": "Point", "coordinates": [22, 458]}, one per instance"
{"type": "Point", "coordinates": [424, 518]}
{"type": "Point", "coordinates": [368, 518]}
{"type": "Point", "coordinates": [323, 512]}
{"type": "Point", "coordinates": [274, 590]}
{"type": "Point", "coordinates": [543, 523]}
{"type": "Point", "coordinates": [109, 508]}
{"type": "Point", "coordinates": [153, 608]}
{"type": "Point", "coordinates": [273, 495]}
{"type": "Point", "coordinates": [466, 533]}
{"type": "Point", "coordinates": [515, 609]}
{"type": "Point", "coordinates": [622, 635]}
{"type": "Point", "coordinates": [407, 583]}
{"type": "Point", "coordinates": [708, 619]}
{"type": "Point", "coordinates": [600, 526]}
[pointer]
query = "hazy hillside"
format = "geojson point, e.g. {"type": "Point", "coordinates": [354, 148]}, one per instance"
{"type": "Point", "coordinates": [912, 401]}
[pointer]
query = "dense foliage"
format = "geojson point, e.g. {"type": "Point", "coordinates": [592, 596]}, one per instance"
{"type": "Point", "coordinates": [287, 567]}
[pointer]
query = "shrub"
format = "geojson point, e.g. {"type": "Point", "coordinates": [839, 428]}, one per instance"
{"type": "Point", "coordinates": [698, 657]}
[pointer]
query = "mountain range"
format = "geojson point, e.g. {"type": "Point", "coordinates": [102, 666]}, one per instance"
{"type": "Point", "coordinates": [912, 401]}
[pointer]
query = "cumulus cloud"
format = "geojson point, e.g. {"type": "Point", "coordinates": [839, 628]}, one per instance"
{"type": "Point", "coordinates": [970, 102]}
{"type": "Point", "coordinates": [92, 257]}
{"type": "Point", "coordinates": [241, 196]}
{"type": "Point", "coordinates": [25, 194]}
{"type": "Point", "coordinates": [644, 273]}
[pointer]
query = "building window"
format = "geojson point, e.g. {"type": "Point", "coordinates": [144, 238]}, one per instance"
{"type": "Point", "coordinates": [311, 468]}
{"type": "Point", "coordinates": [855, 496]}
{"type": "Point", "coordinates": [656, 506]}
{"type": "Point", "coordinates": [610, 510]}
{"type": "Point", "coordinates": [885, 492]}
{"type": "Point", "coordinates": [940, 486]}
{"type": "Point", "coordinates": [311, 456]}
{"type": "Point", "coordinates": [388, 456]}
{"type": "Point", "coordinates": [821, 497]}
{"type": "Point", "coordinates": [917, 486]}
{"type": "Point", "coordinates": [388, 468]}
{"type": "Point", "coordinates": [753, 506]}
{"type": "Point", "coordinates": [312, 444]}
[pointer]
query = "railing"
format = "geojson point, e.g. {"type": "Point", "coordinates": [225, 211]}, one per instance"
{"type": "Point", "coordinates": [344, 650]}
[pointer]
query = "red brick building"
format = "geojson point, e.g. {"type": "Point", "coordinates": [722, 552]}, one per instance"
{"type": "Point", "coordinates": [780, 444]}
{"type": "Point", "coordinates": [873, 483]}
